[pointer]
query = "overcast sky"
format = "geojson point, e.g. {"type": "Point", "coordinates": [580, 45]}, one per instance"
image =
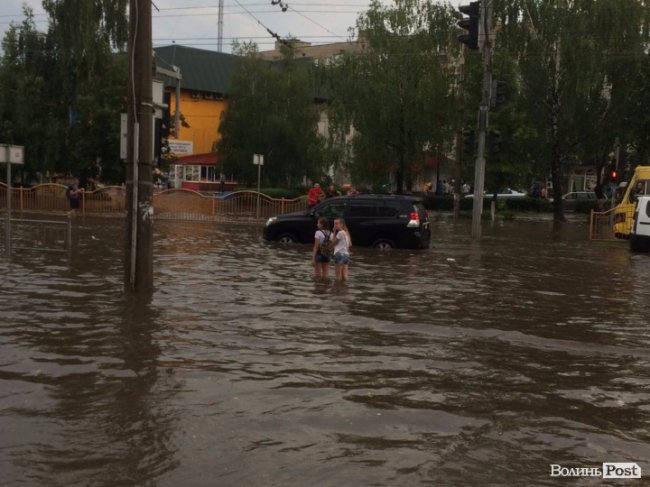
{"type": "Point", "coordinates": [195, 22]}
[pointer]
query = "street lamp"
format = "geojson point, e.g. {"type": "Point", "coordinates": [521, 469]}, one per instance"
{"type": "Point", "coordinates": [258, 160]}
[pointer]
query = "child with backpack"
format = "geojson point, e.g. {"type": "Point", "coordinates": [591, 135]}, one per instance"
{"type": "Point", "coordinates": [322, 250]}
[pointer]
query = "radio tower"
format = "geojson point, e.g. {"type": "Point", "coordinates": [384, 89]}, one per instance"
{"type": "Point", "coordinates": [220, 28]}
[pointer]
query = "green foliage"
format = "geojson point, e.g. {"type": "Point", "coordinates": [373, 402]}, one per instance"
{"type": "Point", "coordinates": [528, 205]}
{"type": "Point", "coordinates": [271, 112]}
{"type": "Point", "coordinates": [397, 92]}
{"type": "Point", "coordinates": [62, 91]}
{"type": "Point", "coordinates": [446, 203]}
{"type": "Point", "coordinates": [576, 63]}
{"type": "Point", "coordinates": [587, 206]}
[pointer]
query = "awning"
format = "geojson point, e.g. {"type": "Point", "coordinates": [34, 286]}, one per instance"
{"type": "Point", "coordinates": [207, 159]}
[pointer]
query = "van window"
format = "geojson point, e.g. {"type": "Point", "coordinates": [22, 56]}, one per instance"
{"type": "Point", "coordinates": [331, 210]}
{"type": "Point", "coordinates": [641, 188]}
{"type": "Point", "coordinates": [388, 211]}
{"type": "Point", "coordinates": [357, 210]}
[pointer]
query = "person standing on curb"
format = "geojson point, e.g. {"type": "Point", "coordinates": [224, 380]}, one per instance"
{"type": "Point", "coordinates": [74, 196]}
{"type": "Point", "coordinates": [315, 195]}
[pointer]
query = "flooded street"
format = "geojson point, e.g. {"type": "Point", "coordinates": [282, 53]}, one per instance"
{"type": "Point", "coordinates": [471, 363]}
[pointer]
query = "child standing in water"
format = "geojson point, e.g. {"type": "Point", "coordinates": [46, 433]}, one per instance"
{"type": "Point", "coordinates": [342, 244]}
{"type": "Point", "coordinates": [321, 262]}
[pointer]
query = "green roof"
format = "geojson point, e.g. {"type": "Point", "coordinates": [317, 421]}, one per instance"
{"type": "Point", "coordinates": [201, 70]}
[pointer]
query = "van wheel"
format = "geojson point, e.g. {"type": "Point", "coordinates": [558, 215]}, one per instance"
{"type": "Point", "coordinates": [286, 238]}
{"type": "Point", "coordinates": [637, 244]}
{"type": "Point", "coordinates": [383, 244]}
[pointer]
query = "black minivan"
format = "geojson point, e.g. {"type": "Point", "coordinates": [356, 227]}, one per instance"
{"type": "Point", "coordinates": [378, 220]}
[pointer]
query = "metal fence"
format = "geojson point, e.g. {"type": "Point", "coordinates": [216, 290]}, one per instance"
{"type": "Point", "coordinates": [39, 235]}
{"type": "Point", "coordinates": [601, 225]}
{"type": "Point", "coordinates": [171, 204]}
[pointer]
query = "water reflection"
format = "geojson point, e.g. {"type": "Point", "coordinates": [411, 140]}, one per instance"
{"type": "Point", "coordinates": [470, 362]}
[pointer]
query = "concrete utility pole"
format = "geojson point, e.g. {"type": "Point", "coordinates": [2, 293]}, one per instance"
{"type": "Point", "coordinates": [479, 173]}
{"type": "Point", "coordinates": [220, 28]}
{"type": "Point", "coordinates": [459, 135]}
{"type": "Point", "coordinates": [139, 188]}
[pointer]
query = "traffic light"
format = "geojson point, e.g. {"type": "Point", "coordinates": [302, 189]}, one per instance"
{"type": "Point", "coordinates": [498, 93]}
{"type": "Point", "coordinates": [471, 24]}
{"type": "Point", "coordinates": [494, 143]}
{"type": "Point", "coordinates": [468, 143]}
{"type": "Point", "coordinates": [613, 175]}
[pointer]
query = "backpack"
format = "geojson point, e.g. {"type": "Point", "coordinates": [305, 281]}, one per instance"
{"type": "Point", "coordinates": [326, 246]}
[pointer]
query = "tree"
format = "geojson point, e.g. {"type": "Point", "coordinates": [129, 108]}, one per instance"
{"type": "Point", "coordinates": [396, 94]}
{"type": "Point", "coordinates": [63, 90]}
{"type": "Point", "coordinates": [566, 53]}
{"type": "Point", "coordinates": [271, 111]}
{"type": "Point", "coordinates": [23, 97]}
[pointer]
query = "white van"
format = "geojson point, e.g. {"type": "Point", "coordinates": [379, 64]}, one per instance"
{"type": "Point", "coordinates": [640, 233]}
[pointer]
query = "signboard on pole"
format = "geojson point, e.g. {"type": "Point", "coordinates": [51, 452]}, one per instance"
{"type": "Point", "coordinates": [181, 147]}
{"type": "Point", "coordinates": [14, 154]}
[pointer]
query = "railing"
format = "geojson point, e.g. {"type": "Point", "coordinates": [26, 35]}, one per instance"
{"type": "Point", "coordinates": [601, 225]}
{"type": "Point", "coordinates": [39, 235]}
{"type": "Point", "coordinates": [171, 204]}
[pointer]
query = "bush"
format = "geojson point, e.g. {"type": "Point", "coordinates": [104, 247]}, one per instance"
{"type": "Point", "coordinates": [446, 203]}
{"type": "Point", "coordinates": [277, 192]}
{"type": "Point", "coordinates": [538, 205]}
{"type": "Point", "coordinates": [587, 205]}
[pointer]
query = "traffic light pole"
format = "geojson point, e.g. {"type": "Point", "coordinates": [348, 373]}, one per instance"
{"type": "Point", "coordinates": [484, 109]}
{"type": "Point", "coordinates": [138, 268]}
{"type": "Point", "coordinates": [459, 137]}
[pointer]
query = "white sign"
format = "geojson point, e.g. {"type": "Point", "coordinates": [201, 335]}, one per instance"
{"type": "Point", "coordinates": [123, 135]}
{"type": "Point", "coordinates": [258, 159]}
{"type": "Point", "coordinates": [181, 147]}
{"type": "Point", "coordinates": [14, 153]}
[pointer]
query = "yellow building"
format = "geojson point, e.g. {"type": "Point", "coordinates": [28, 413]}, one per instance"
{"type": "Point", "coordinates": [204, 86]}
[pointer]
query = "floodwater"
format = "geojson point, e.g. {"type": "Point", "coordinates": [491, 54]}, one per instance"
{"type": "Point", "coordinates": [471, 363]}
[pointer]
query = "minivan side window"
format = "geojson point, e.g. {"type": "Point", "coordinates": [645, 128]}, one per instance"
{"type": "Point", "coordinates": [333, 210]}
{"type": "Point", "coordinates": [388, 211]}
{"type": "Point", "coordinates": [357, 210]}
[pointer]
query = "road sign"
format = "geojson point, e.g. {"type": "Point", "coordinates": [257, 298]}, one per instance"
{"type": "Point", "coordinates": [15, 154]}
{"type": "Point", "coordinates": [258, 159]}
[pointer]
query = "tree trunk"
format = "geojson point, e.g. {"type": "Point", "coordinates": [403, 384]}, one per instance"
{"type": "Point", "coordinates": [556, 162]}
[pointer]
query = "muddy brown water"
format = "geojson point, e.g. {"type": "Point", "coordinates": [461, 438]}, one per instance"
{"type": "Point", "coordinates": [469, 363]}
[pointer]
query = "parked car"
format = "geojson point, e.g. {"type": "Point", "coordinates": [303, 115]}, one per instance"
{"type": "Point", "coordinates": [640, 233]}
{"type": "Point", "coordinates": [380, 221]}
{"type": "Point", "coordinates": [570, 200]}
{"type": "Point", "coordinates": [504, 194]}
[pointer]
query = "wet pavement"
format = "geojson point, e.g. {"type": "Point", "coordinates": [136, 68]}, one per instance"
{"type": "Point", "coordinates": [469, 363]}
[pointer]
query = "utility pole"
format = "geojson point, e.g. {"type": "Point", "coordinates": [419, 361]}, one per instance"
{"type": "Point", "coordinates": [459, 135]}
{"type": "Point", "coordinates": [478, 26]}
{"type": "Point", "coordinates": [484, 109]}
{"type": "Point", "coordinates": [139, 188]}
{"type": "Point", "coordinates": [220, 27]}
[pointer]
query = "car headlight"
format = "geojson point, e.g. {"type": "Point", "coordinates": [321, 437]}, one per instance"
{"type": "Point", "coordinates": [271, 220]}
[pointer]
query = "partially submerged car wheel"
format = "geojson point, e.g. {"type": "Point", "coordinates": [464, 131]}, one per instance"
{"type": "Point", "coordinates": [383, 244]}
{"type": "Point", "coordinates": [287, 238]}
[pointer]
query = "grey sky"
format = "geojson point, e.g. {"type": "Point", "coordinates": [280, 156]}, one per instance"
{"type": "Point", "coordinates": [195, 22]}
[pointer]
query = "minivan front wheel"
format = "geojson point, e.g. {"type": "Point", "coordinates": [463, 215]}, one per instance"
{"type": "Point", "coordinates": [383, 244]}
{"type": "Point", "coordinates": [286, 238]}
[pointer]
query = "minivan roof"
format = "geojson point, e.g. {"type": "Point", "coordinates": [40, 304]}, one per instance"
{"type": "Point", "coordinates": [377, 196]}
